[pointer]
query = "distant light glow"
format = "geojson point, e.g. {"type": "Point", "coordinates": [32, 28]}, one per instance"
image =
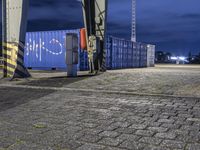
{"type": "Point", "coordinates": [174, 58]}
{"type": "Point", "coordinates": [179, 58]}
{"type": "Point", "coordinates": [182, 58]}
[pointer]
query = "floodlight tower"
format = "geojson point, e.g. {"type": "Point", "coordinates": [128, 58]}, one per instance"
{"type": "Point", "coordinates": [133, 21]}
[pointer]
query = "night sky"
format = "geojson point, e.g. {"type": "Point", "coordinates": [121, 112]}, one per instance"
{"type": "Point", "coordinates": [173, 25]}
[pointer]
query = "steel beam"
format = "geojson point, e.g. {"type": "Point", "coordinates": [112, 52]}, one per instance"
{"type": "Point", "coordinates": [95, 19]}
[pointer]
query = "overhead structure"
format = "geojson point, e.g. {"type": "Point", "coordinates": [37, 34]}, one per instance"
{"type": "Point", "coordinates": [14, 20]}
{"type": "Point", "coordinates": [133, 22]}
{"type": "Point", "coordinates": [14, 30]}
{"type": "Point", "coordinates": [95, 17]}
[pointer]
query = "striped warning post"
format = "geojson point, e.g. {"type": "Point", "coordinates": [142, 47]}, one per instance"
{"type": "Point", "coordinates": [13, 54]}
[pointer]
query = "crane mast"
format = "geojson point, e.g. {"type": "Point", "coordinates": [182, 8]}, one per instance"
{"type": "Point", "coordinates": [133, 21]}
{"type": "Point", "coordinates": [14, 20]}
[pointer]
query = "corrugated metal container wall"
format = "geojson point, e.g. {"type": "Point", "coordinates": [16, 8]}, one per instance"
{"type": "Point", "coordinates": [47, 49]}
{"type": "Point", "coordinates": [108, 52]}
{"type": "Point", "coordinates": [125, 54]}
{"type": "Point", "coordinates": [143, 55]}
{"type": "Point", "coordinates": [116, 53]}
{"type": "Point", "coordinates": [150, 55]}
{"type": "Point", "coordinates": [130, 54]}
{"type": "Point", "coordinates": [84, 65]}
{"type": "Point", "coordinates": [135, 55]}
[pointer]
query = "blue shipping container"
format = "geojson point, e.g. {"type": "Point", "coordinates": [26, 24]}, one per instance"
{"type": "Point", "coordinates": [47, 49]}
{"type": "Point", "coordinates": [123, 53]}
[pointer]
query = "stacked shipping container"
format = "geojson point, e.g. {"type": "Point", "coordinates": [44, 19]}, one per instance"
{"type": "Point", "coordinates": [46, 50]}
{"type": "Point", "coordinates": [127, 54]}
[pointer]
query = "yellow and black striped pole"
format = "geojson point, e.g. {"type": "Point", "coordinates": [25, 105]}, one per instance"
{"type": "Point", "coordinates": [13, 54]}
{"type": "Point", "coordinates": [9, 60]}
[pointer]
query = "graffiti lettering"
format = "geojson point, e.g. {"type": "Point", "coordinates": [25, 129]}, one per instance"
{"type": "Point", "coordinates": [56, 47]}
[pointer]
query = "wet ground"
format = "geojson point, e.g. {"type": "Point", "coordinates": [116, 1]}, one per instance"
{"type": "Point", "coordinates": [155, 108]}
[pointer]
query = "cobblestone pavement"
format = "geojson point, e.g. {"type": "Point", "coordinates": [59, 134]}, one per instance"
{"type": "Point", "coordinates": [65, 121]}
{"type": "Point", "coordinates": [43, 118]}
{"type": "Point", "coordinates": [164, 79]}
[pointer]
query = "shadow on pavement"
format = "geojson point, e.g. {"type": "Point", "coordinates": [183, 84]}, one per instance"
{"type": "Point", "coordinates": [12, 97]}
{"type": "Point", "coordinates": [56, 81]}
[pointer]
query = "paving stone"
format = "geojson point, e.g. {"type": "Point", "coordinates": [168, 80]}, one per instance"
{"type": "Point", "coordinates": [114, 148]}
{"type": "Point", "coordinates": [150, 147]}
{"type": "Point", "coordinates": [121, 124]}
{"type": "Point", "coordinates": [154, 124]}
{"type": "Point", "coordinates": [165, 135]}
{"type": "Point", "coordinates": [132, 145]}
{"type": "Point", "coordinates": [89, 138]}
{"type": "Point", "coordinates": [193, 147]}
{"type": "Point", "coordinates": [144, 132]}
{"type": "Point", "coordinates": [125, 130]}
{"type": "Point", "coordinates": [107, 127]}
{"type": "Point", "coordinates": [6, 142]}
{"type": "Point", "coordinates": [158, 129]}
{"type": "Point", "coordinates": [91, 131]}
{"type": "Point", "coordinates": [110, 141]}
{"type": "Point", "coordinates": [193, 119]}
{"type": "Point", "coordinates": [90, 125]}
{"type": "Point", "coordinates": [111, 134]}
{"type": "Point", "coordinates": [166, 120]}
{"type": "Point", "coordinates": [50, 138]}
{"type": "Point", "coordinates": [171, 126]}
{"type": "Point", "coordinates": [189, 128]}
{"type": "Point", "coordinates": [173, 144]}
{"type": "Point", "coordinates": [138, 126]}
{"type": "Point", "coordinates": [129, 137]}
{"type": "Point", "coordinates": [91, 147]}
{"type": "Point", "coordinates": [66, 144]}
{"type": "Point", "coordinates": [26, 146]}
{"type": "Point", "coordinates": [150, 140]}
{"type": "Point", "coordinates": [180, 132]}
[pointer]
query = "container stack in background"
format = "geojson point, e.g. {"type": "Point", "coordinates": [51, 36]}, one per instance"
{"type": "Point", "coordinates": [46, 51]}
{"type": "Point", "coordinates": [123, 53]}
